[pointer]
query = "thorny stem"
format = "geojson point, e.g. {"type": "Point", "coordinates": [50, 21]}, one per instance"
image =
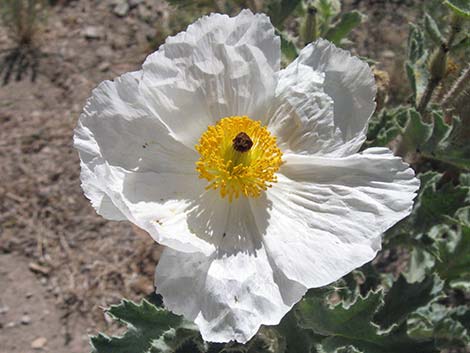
{"type": "Point", "coordinates": [431, 86]}
{"type": "Point", "coordinates": [438, 64]}
{"type": "Point", "coordinates": [457, 87]}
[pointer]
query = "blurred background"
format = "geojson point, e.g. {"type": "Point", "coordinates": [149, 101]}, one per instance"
{"type": "Point", "coordinates": [60, 263]}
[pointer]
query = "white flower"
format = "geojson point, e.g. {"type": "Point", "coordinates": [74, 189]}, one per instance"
{"type": "Point", "coordinates": [247, 173]}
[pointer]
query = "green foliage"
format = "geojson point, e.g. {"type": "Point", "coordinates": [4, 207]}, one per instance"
{"type": "Point", "coordinates": [146, 324]}
{"type": "Point", "coordinates": [352, 326]}
{"type": "Point", "coordinates": [288, 48]}
{"type": "Point", "coordinates": [435, 140]}
{"type": "Point", "coordinates": [328, 22]}
{"type": "Point", "coordinates": [433, 30]}
{"type": "Point", "coordinates": [460, 7]}
{"type": "Point", "coordinates": [344, 26]}
{"type": "Point", "coordinates": [415, 295]}
{"type": "Point", "coordinates": [279, 10]}
{"type": "Point", "coordinates": [416, 69]}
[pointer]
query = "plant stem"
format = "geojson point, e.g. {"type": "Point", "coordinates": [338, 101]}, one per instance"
{"type": "Point", "coordinates": [457, 87]}
{"type": "Point", "coordinates": [427, 95]}
{"type": "Point", "coordinates": [438, 65]}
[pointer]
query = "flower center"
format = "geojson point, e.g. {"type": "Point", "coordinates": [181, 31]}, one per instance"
{"type": "Point", "coordinates": [238, 156]}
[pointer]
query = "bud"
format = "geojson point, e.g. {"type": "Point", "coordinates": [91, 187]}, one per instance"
{"type": "Point", "coordinates": [438, 65]}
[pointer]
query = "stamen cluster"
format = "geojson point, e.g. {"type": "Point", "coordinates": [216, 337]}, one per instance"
{"type": "Point", "coordinates": [233, 170]}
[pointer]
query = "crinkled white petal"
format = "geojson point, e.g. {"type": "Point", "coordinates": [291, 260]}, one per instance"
{"type": "Point", "coordinates": [323, 102]}
{"type": "Point", "coordinates": [155, 202]}
{"type": "Point", "coordinates": [218, 67]}
{"type": "Point", "coordinates": [116, 129]}
{"type": "Point", "coordinates": [233, 291]}
{"type": "Point", "coordinates": [327, 214]}
{"type": "Point", "coordinates": [117, 125]}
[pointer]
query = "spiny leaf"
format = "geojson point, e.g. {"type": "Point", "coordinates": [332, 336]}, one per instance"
{"type": "Point", "coordinates": [346, 24]}
{"type": "Point", "coordinates": [454, 264]}
{"type": "Point", "coordinates": [145, 323]}
{"type": "Point", "coordinates": [296, 338]}
{"type": "Point", "coordinates": [315, 314]}
{"type": "Point", "coordinates": [440, 323]}
{"type": "Point", "coordinates": [404, 298]}
{"type": "Point", "coordinates": [435, 203]}
{"type": "Point", "coordinates": [441, 132]}
{"type": "Point", "coordinates": [416, 132]}
{"type": "Point", "coordinates": [351, 326]}
{"type": "Point", "coordinates": [279, 10]}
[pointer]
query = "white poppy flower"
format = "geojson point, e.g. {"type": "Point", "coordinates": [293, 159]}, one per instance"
{"type": "Point", "coordinates": [249, 175]}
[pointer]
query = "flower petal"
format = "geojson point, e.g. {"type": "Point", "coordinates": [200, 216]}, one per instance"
{"type": "Point", "coordinates": [219, 67]}
{"type": "Point", "coordinates": [155, 202]}
{"type": "Point", "coordinates": [235, 289]}
{"type": "Point", "coordinates": [117, 126]}
{"type": "Point", "coordinates": [323, 102]}
{"type": "Point", "coordinates": [328, 214]}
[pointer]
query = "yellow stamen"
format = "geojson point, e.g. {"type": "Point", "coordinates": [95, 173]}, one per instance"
{"type": "Point", "coordinates": [238, 156]}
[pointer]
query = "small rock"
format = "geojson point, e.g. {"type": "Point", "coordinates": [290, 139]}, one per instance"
{"type": "Point", "coordinates": [4, 309]}
{"type": "Point", "coordinates": [388, 54]}
{"type": "Point", "coordinates": [10, 324]}
{"type": "Point", "coordinates": [93, 32]}
{"type": "Point", "coordinates": [34, 267]}
{"type": "Point", "coordinates": [121, 9]}
{"type": "Point", "coordinates": [39, 343]}
{"type": "Point", "coordinates": [104, 52]}
{"type": "Point", "coordinates": [104, 66]}
{"type": "Point", "coordinates": [25, 320]}
{"type": "Point", "coordinates": [29, 295]}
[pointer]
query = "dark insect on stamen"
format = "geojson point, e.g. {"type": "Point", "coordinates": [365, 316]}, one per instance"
{"type": "Point", "coordinates": [242, 142]}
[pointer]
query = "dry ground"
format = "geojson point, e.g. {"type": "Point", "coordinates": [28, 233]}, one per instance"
{"type": "Point", "coordinates": [59, 261]}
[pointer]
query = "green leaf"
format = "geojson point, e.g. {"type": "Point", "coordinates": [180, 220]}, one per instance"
{"type": "Point", "coordinates": [433, 30]}
{"type": "Point", "coordinates": [416, 65]}
{"type": "Point", "coordinates": [383, 128]}
{"type": "Point", "coordinates": [421, 263]}
{"type": "Point", "coordinates": [461, 44]}
{"type": "Point", "coordinates": [404, 298]}
{"type": "Point", "coordinates": [351, 326]}
{"type": "Point", "coordinates": [288, 48]}
{"type": "Point", "coordinates": [454, 264]}
{"type": "Point", "coordinates": [279, 10]}
{"type": "Point", "coordinates": [416, 131]}
{"type": "Point", "coordinates": [346, 24]}
{"type": "Point", "coordinates": [435, 203]}
{"type": "Point", "coordinates": [439, 138]}
{"type": "Point", "coordinates": [145, 325]}
{"type": "Point", "coordinates": [442, 324]}
{"type": "Point", "coordinates": [415, 44]}
{"type": "Point", "coordinates": [315, 314]}
{"type": "Point", "coordinates": [460, 7]}
{"type": "Point", "coordinates": [296, 338]}
{"type": "Point", "coordinates": [326, 11]}
{"type": "Point", "coordinates": [177, 339]}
